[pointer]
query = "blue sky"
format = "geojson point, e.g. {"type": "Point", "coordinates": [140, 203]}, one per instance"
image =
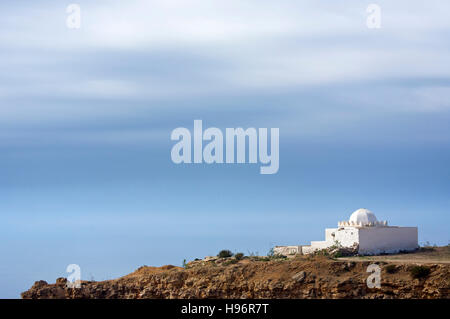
{"type": "Point", "coordinates": [86, 116]}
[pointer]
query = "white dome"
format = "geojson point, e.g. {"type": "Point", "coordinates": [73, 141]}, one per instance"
{"type": "Point", "coordinates": [363, 216]}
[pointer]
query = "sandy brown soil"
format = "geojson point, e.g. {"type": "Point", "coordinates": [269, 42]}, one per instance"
{"type": "Point", "coordinates": [425, 255]}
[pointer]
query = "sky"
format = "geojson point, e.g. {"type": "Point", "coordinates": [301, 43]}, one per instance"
{"type": "Point", "coordinates": [86, 115]}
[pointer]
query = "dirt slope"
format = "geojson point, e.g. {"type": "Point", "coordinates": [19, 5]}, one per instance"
{"type": "Point", "coordinates": [300, 277]}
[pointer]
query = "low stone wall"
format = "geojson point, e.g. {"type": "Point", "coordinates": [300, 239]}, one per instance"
{"type": "Point", "coordinates": [287, 250]}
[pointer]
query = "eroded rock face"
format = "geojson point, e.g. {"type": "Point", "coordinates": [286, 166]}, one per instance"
{"type": "Point", "coordinates": [302, 277]}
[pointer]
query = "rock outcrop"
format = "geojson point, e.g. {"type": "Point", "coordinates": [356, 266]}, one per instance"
{"type": "Point", "coordinates": [253, 277]}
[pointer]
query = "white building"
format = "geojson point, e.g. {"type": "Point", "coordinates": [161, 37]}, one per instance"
{"type": "Point", "coordinates": [366, 233]}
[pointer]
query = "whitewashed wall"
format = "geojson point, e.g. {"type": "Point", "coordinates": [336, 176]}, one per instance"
{"type": "Point", "coordinates": [347, 236]}
{"type": "Point", "coordinates": [376, 240]}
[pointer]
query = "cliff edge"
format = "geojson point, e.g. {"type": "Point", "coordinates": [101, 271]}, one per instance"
{"type": "Point", "coordinates": [263, 277]}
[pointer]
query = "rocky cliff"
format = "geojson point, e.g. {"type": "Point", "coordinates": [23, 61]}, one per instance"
{"type": "Point", "coordinates": [300, 277]}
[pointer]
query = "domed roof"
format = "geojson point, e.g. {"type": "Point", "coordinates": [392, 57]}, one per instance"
{"type": "Point", "coordinates": [363, 216]}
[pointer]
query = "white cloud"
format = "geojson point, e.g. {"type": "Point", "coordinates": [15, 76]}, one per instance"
{"type": "Point", "coordinates": [242, 47]}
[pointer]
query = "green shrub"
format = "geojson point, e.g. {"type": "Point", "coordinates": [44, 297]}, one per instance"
{"type": "Point", "coordinates": [230, 262]}
{"type": "Point", "coordinates": [419, 271]}
{"type": "Point", "coordinates": [390, 269]}
{"type": "Point", "coordinates": [321, 252]}
{"type": "Point", "coordinates": [239, 256]}
{"type": "Point", "coordinates": [338, 254]}
{"type": "Point", "coordinates": [225, 254]}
